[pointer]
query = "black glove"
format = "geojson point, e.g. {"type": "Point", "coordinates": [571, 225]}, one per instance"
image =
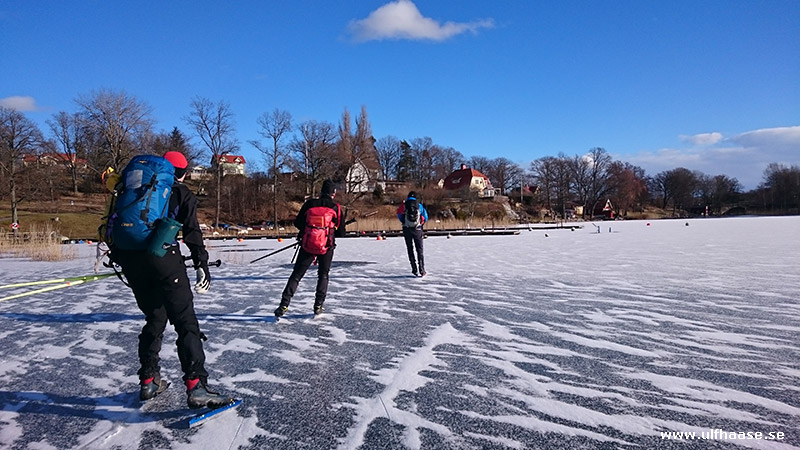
{"type": "Point", "coordinates": [341, 230]}
{"type": "Point", "coordinates": [203, 278]}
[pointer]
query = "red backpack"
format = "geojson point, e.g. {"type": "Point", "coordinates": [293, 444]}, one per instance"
{"type": "Point", "coordinates": [318, 234]}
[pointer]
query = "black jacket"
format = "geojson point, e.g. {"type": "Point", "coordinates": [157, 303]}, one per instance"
{"type": "Point", "coordinates": [323, 200]}
{"type": "Point", "coordinates": [183, 208]}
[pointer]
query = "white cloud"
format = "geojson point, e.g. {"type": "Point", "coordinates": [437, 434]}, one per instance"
{"type": "Point", "coordinates": [702, 139]}
{"type": "Point", "coordinates": [783, 139]}
{"type": "Point", "coordinates": [402, 20]}
{"type": "Point", "coordinates": [743, 156]}
{"type": "Point", "coordinates": [19, 103]}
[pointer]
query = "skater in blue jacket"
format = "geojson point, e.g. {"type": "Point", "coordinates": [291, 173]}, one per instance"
{"type": "Point", "coordinates": [413, 215]}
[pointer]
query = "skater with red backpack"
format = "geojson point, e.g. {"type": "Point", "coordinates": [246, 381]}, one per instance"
{"type": "Point", "coordinates": [319, 222]}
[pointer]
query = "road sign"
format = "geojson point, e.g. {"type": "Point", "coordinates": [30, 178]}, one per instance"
{"type": "Point", "coordinates": [14, 225]}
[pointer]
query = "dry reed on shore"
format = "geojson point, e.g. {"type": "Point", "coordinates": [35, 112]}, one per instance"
{"type": "Point", "coordinates": [38, 244]}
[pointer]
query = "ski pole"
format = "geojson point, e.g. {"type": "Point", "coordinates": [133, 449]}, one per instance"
{"type": "Point", "coordinates": [39, 291]}
{"type": "Point", "coordinates": [276, 251]}
{"type": "Point", "coordinates": [58, 280]}
{"type": "Point", "coordinates": [67, 283]}
{"type": "Point", "coordinates": [296, 250]}
{"type": "Point", "coordinates": [290, 246]}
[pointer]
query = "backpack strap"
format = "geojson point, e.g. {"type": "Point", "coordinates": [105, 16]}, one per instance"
{"type": "Point", "coordinates": [114, 266]}
{"type": "Point", "coordinates": [151, 188]}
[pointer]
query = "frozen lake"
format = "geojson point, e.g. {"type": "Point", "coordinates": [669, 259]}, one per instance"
{"type": "Point", "coordinates": [547, 339]}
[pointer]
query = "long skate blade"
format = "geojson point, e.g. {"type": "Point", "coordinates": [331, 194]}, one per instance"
{"type": "Point", "coordinates": [202, 417]}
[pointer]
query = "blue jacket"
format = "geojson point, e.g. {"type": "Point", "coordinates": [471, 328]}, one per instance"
{"type": "Point", "coordinates": [401, 212]}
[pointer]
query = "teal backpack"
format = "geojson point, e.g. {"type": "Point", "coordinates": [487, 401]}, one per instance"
{"type": "Point", "coordinates": [140, 220]}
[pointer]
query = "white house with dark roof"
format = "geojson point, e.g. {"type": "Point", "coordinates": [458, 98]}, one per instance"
{"type": "Point", "coordinates": [364, 176]}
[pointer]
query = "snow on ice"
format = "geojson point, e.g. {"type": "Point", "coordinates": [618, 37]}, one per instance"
{"type": "Point", "coordinates": [577, 339]}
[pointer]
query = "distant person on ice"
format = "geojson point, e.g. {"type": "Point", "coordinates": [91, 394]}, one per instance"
{"type": "Point", "coordinates": [163, 292]}
{"type": "Point", "coordinates": [319, 222]}
{"type": "Point", "coordinates": [413, 216]}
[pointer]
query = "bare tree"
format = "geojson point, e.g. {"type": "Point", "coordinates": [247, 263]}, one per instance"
{"type": "Point", "coordinates": [365, 143]}
{"type": "Point", "coordinates": [315, 147]}
{"type": "Point", "coordinates": [781, 187]}
{"type": "Point", "coordinates": [676, 186]}
{"type": "Point", "coordinates": [563, 181]}
{"type": "Point", "coordinates": [356, 150]}
{"type": "Point", "coordinates": [598, 175]}
{"type": "Point", "coordinates": [347, 150]}
{"type": "Point", "coordinates": [388, 151]}
{"type": "Point", "coordinates": [274, 126]}
{"type": "Point", "coordinates": [18, 136]}
{"type": "Point", "coordinates": [480, 163]}
{"type": "Point", "coordinates": [504, 174]}
{"type": "Point", "coordinates": [423, 149]}
{"type": "Point", "coordinates": [542, 171]}
{"type": "Point", "coordinates": [628, 185]}
{"type": "Point", "coordinates": [122, 122]}
{"type": "Point", "coordinates": [69, 134]}
{"type": "Point", "coordinates": [42, 175]}
{"type": "Point", "coordinates": [590, 177]}
{"type": "Point", "coordinates": [726, 190]}
{"type": "Point", "coordinates": [445, 161]}
{"type": "Point", "coordinates": [213, 123]}
{"type": "Point", "coordinates": [580, 168]}
{"type": "Point", "coordinates": [553, 177]}
{"type": "Point", "coordinates": [657, 185]}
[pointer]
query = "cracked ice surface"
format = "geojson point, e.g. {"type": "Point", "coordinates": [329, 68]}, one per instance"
{"type": "Point", "coordinates": [575, 340]}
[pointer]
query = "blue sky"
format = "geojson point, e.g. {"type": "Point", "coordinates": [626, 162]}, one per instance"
{"type": "Point", "coordinates": [711, 86]}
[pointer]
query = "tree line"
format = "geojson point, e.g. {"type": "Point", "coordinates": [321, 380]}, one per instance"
{"type": "Point", "coordinates": [109, 127]}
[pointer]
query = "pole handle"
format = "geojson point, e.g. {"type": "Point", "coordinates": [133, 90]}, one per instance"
{"type": "Point", "coordinates": [216, 263]}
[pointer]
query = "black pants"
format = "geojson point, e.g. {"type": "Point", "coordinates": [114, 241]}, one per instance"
{"type": "Point", "coordinates": [304, 260]}
{"type": "Point", "coordinates": [413, 237]}
{"type": "Point", "coordinates": [162, 292]}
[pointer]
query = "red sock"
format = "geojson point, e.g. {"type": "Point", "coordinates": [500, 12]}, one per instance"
{"type": "Point", "coordinates": [190, 384]}
{"type": "Point", "coordinates": [148, 380]}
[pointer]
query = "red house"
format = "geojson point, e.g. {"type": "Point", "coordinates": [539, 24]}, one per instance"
{"type": "Point", "coordinates": [466, 178]}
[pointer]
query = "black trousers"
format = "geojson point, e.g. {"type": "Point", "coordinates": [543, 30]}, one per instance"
{"type": "Point", "coordinates": [304, 260]}
{"type": "Point", "coordinates": [413, 237]}
{"type": "Point", "coordinates": [162, 292]}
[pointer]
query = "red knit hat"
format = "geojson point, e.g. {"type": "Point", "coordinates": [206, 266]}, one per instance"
{"type": "Point", "coordinates": [177, 159]}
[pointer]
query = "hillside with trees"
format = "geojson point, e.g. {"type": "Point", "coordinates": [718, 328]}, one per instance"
{"type": "Point", "coordinates": [53, 174]}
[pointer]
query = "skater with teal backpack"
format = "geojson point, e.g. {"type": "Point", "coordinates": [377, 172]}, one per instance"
{"type": "Point", "coordinates": [151, 206]}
